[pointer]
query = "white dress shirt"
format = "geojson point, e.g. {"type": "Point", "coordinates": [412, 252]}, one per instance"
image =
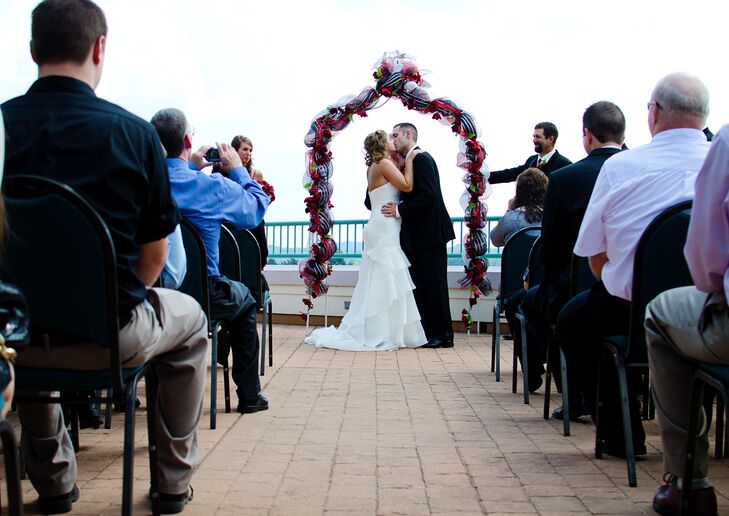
{"type": "Point", "coordinates": [633, 187]}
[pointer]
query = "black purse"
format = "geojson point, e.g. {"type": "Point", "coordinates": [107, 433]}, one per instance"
{"type": "Point", "coordinates": [14, 330]}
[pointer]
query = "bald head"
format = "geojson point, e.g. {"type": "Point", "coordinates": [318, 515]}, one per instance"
{"type": "Point", "coordinates": [680, 100]}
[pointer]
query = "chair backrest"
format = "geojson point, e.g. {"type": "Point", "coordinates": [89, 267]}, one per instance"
{"type": "Point", "coordinates": [515, 258]}
{"type": "Point", "coordinates": [61, 255]}
{"type": "Point", "coordinates": [195, 283]}
{"type": "Point", "coordinates": [229, 255]}
{"type": "Point", "coordinates": [536, 269]}
{"type": "Point", "coordinates": [250, 262]}
{"type": "Point", "coordinates": [581, 276]}
{"type": "Point", "coordinates": [659, 266]}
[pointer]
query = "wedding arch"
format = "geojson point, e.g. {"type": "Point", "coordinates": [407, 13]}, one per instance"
{"type": "Point", "coordinates": [396, 76]}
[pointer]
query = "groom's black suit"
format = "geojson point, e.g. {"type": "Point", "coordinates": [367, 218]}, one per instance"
{"type": "Point", "coordinates": [426, 228]}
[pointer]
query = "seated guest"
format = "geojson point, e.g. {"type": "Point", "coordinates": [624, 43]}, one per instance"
{"type": "Point", "coordinates": [55, 130]}
{"type": "Point", "coordinates": [633, 187]}
{"type": "Point", "coordinates": [208, 201]}
{"type": "Point", "coordinates": [244, 147]}
{"type": "Point", "coordinates": [524, 210]}
{"type": "Point", "coordinates": [173, 273]}
{"type": "Point", "coordinates": [690, 325]}
{"type": "Point", "coordinates": [569, 190]}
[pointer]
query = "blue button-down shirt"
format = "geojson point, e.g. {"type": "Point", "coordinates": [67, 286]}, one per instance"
{"type": "Point", "coordinates": [209, 200]}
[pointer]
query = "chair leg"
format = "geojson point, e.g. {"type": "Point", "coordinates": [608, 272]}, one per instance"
{"type": "Point", "coordinates": [226, 386]}
{"type": "Point", "coordinates": [720, 431]}
{"type": "Point", "coordinates": [514, 362]}
{"type": "Point", "coordinates": [263, 342]}
{"type": "Point", "coordinates": [151, 387]}
{"type": "Point", "coordinates": [270, 332]}
{"type": "Point", "coordinates": [128, 472]}
{"type": "Point", "coordinates": [73, 414]}
{"type": "Point", "coordinates": [214, 377]}
{"type": "Point", "coordinates": [493, 336]}
{"type": "Point", "coordinates": [697, 394]}
{"type": "Point", "coordinates": [548, 376]}
{"type": "Point", "coordinates": [12, 469]}
{"type": "Point", "coordinates": [598, 428]}
{"type": "Point", "coordinates": [109, 407]}
{"type": "Point", "coordinates": [627, 428]}
{"type": "Point", "coordinates": [565, 394]}
{"type": "Point", "coordinates": [524, 358]}
{"type": "Point", "coordinates": [496, 364]}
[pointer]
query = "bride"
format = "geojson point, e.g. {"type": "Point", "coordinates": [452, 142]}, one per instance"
{"type": "Point", "coordinates": [382, 315]}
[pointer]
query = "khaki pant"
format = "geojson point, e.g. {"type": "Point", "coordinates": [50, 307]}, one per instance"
{"type": "Point", "coordinates": [683, 327]}
{"type": "Point", "coordinates": [172, 333]}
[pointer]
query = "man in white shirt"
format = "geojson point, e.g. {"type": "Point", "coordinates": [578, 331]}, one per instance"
{"type": "Point", "coordinates": [633, 187]}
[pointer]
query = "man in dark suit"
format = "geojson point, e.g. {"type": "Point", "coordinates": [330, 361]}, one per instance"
{"type": "Point", "coordinates": [426, 228]}
{"type": "Point", "coordinates": [568, 193]}
{"type": "Point", "coordinates": [547, 158]}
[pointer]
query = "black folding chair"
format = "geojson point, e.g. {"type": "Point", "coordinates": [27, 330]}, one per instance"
{"type": "Point", "coordinates": [581, 279]}
{"type": "Point", "coordinates": [195, 285]}
{"type": "Point", "coordinates": [659, 265]}
{"type": "Point", "coordinates": [251, 277]}
{"type": "Point", "coordinates": [514, 260]}
{"type": "Point", "coordinates": [230, 266]}
{"type": "Point", "coordinates": [717, 377]}
{"type": "Point", "coordinates": [536, 273]}
{"type": "Point", "coordinates": [12, 468]}
{"type": "Point", "coordinates": [61, 255]}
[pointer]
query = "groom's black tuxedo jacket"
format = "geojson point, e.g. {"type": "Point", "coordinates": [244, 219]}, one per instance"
{"type": "Point", "coordinates": [568, 193]}
{"type": "Point", "coordinates": [425, 220]}
{"type": "Point", "coordinates": [508, 175]}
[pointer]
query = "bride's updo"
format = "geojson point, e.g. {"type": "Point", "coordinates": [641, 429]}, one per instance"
{"type": "Point", "coordinates": [375, 146]}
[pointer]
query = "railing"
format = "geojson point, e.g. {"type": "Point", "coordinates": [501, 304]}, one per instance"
{"type": "Point", "coordinates": [291, 240]}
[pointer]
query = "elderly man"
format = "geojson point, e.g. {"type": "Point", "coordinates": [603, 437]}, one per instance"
{"type": "Point", "coordinates": [547, 158]}
{"type": "Point", "coordinates": [57, 126]}
{"type": "Point", "coordinates": [690, 325]}
{"type": "Point", "coordinates": [228, 195]}
{"type": "Point", "coordinates": [633, 187]}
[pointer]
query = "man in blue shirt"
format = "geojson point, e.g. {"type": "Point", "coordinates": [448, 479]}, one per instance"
{"type": "Point", "coordinates": [207, 201]}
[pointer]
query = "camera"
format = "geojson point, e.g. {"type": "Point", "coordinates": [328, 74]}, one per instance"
{"type": "Point", "coordinates": [212, 155]}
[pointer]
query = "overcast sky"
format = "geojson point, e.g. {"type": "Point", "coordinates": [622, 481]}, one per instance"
{"type": "Point", "coordinates": [266, 69]}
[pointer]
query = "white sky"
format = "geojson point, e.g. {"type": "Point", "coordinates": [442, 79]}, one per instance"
{"type": "Point", "coordinates": [266, 69]}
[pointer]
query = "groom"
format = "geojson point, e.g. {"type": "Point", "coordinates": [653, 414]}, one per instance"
{"type": "Point", "coordinates": [426, 228]}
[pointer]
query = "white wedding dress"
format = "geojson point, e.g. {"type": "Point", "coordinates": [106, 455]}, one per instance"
{"type": "Point", "coordinates": [382, 315]}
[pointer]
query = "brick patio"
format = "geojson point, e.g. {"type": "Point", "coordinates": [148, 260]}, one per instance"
{"type": "Point", "coordinates": [407, 432]}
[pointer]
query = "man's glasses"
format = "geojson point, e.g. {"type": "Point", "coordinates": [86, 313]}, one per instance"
{"type": "Point", "coordinates": [653, 102]}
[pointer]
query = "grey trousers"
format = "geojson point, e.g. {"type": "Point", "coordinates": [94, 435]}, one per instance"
{"type": "Point", "coordinates": [171, 331]}
{"type": "Point", "coordinates": [683, 327]}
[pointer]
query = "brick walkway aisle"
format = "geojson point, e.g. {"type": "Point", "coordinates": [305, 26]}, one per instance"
{"type": "Point", "coordinates": [407, 432]}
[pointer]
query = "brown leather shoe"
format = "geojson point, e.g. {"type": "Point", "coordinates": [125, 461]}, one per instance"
{"type": "Point", "coordinates": [668, 499]}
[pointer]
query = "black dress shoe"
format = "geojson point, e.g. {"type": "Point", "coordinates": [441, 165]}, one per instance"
{"type": "Point", "coordinates": [668, 499]}
{"type": "Point", "coordinates": [535, 384]}
{"type": "Point", "coordinates": [438, 342]}
{"type": "Point", "coordinates": [575, 412]}
{"type": "Point", "coordinates": [255, 405]}
{"type": "Point", "coordinates": [174, 503]}
{"type": "Point", "coordinates": [58, 504]}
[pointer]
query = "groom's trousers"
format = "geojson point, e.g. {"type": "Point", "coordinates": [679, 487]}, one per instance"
{"type": "Point", "coordinates": [428, 269]}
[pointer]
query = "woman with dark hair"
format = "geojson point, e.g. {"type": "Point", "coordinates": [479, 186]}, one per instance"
{"type": "Point", "coordinates": [525, 209]}
{"type": "Point", "coordinates": [382, 315]}
{"type": "Point", "coordinates": [244, 147]}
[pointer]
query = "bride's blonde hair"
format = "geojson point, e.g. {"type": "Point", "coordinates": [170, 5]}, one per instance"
{"type": "Point", "coordinates": [375, 146]}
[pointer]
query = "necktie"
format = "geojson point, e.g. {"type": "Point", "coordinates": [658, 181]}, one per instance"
{"type": "Point", "coordinates": [541, 162]}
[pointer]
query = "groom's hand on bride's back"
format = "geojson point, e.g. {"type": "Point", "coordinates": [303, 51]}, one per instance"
{"type": "Point", "coordinates": [389, 209]}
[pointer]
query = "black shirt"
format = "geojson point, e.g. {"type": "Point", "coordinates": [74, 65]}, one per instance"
{"type": "Point", "coordinates": [61, 130]}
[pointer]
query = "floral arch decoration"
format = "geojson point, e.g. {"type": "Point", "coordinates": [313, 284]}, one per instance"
{"type": "Point", "coordinates": [396, 76]}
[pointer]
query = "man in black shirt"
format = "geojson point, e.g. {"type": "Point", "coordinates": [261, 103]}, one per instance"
{"type": "Point", "coordinates": [547, 158]}
{"type": "Point", "coordinates": [60, 130]}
